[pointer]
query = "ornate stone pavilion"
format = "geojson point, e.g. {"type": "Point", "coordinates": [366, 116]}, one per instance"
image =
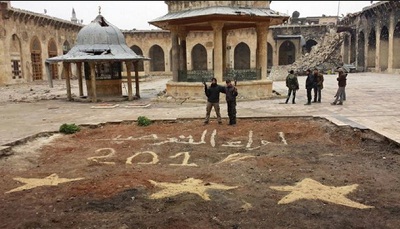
{"type": "Point", "coordinates": [220, 17]}
{"type": "Point", "coordinates": [101, 49]}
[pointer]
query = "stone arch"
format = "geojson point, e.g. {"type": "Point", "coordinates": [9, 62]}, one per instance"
{"type": "Point", "coordinates": [138, 51]}
{"type": "Point", "coordinates": [52, 52]}
{"type": "Point", "coordinates": [309, 44]}
{"type": "Point", "coordinates": [287, 53]}
{"type": "Point", "coordinates": [36, 59]}
{"type": "Point", "coordinates": [361, 50]}
{"type": "Point", "coordinates": [270, 56]}
{"type": "Point", "coordinates": [199, 57]}
{"type": "Point", "coordinates": [242, 56]}
{"type": "Point", "coordinates": [371, 49]}
{"type": "Point", "coordinates": [384, 49]}
{"type": "Point", "coordinates": [346, 46]}
{"type": "Point", "coordinates": [66, 47]}
{"type": "Point", "coordinates": [16, 57]}
{"type": "Point", "coordinates": [396, 46]}
{"type": "Point", "coordinates": [157, 62]}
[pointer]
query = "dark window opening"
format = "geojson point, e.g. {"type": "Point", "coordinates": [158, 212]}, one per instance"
{"type": "Point", "coordinates": [96, 52]}
{"type": "Point", "coordinates": [105, 71]}
{"type": "Point", "coordinates": [103, 23]}
{"type": "Point", "coordinates": [16, 69]}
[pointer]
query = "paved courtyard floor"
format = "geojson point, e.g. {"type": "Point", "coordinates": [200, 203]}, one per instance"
{"type": "Point", "coordinates": [372, 103]}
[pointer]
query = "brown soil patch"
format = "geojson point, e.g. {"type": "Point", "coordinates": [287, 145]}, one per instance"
{"type": "Point", "coordinates": [261, 173]}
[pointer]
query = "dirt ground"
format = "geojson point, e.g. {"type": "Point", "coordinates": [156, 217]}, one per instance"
{"type": "Point", "coordinates": [261, 173]}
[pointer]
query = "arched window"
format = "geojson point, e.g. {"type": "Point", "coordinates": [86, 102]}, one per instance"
{"type": "Point", "coordinates": [199, 57]}
{"type": "Point", "coordinates": [242, 56]}
{"type": "Point", "coordinates": [138, 51]}
{"type": "Point", "coordinates": [287, 53]}
{"type": "Point", "coordinates": [157, 62]}
{"type": "Point", "coordinates": [36, 58]}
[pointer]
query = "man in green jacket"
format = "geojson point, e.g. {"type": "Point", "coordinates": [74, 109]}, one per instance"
{"type": "Point", "coordinates": [293, 85]}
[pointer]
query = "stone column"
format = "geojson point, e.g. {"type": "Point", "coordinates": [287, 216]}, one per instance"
{"type": "Point", "coordinates": [261, 51]}
{"type": "Point", "coordinates": [275, 54]}
{"type": "Point", "coordinates": [366, 42]}
{"type": "Point", "coordinates": [357, 48]}
{"type": "Point", "coordinates": [175, 53]}
{"type": "Point", "coordinates": [182, 34]}
{"type": "Point", "coordinates": [218, 59]}
{"type": "Point", "coordinates": [378, 47]}
{"type": "Point", "coordinates": [129, 79]}
{"type": "Point", "coordinates": [67, 72]}
{"type": "Point", "coordinates": [135, 66]}
{"type": "Point", "coordinates": [391, 43]}
{"type": "Point", "coordinates": [224, 53]}
{"type": "Point", "coordinates": [349, 48]}
{"type": "Point", "coordinates": [342, 51]}
{"type": "Point", "coordinates": [48, 72]}
{"type": "Point", "coordinates": [79, 74]}
{"type": "Point", "coordinates": [93, 81]}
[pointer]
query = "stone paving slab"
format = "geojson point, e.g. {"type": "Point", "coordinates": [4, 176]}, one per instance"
{"type": "Point", "coordinates": [372, 102]}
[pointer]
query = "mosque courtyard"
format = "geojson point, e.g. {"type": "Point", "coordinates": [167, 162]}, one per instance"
{"type": "Point", "coordinates": [298, 171]}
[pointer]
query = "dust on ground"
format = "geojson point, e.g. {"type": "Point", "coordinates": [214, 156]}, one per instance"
{"type": "Point", "coordinates": [261, 173]}
{"type": "Point", "coordinates": [150, 86]}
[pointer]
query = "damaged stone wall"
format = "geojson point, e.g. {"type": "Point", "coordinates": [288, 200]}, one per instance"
{"type": "Point", "coordinates": [324, 56]}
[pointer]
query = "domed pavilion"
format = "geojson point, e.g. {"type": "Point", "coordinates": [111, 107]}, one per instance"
{"type": "Point", "coordinates": [101, 49]}
{"type": "Point", "coordinates": [218, 17]}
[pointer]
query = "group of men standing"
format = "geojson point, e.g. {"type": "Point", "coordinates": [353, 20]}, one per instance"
{"type": "Point", "coordinates": [315, 81]}
{"type": "Point", "coordinates": [212, 94]}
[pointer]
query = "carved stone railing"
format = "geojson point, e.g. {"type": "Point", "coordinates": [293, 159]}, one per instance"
{"type": "Point", "coordinates": [232, 74]}
{"type": "Point", "coordinates": [242, 74]}
{"type": "Point", "coordinates": [195, 75]}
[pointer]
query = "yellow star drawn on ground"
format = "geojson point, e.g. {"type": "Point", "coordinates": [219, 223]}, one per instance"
{"type": "Point", "coordinates": [189, 185]}
{"type": "Point", "coordinates": [52, 180]}
{"type": "Point", "coordinates": [313, 190]}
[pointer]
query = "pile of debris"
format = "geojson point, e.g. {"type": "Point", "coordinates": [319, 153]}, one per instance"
{"type": "Point", "coordinates": [325, 56]}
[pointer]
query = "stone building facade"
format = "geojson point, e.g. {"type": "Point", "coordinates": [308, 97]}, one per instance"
{"type": "Point", "coordinates": [27, 39]}
{"type": "Point", "coordinates": [373, 38]}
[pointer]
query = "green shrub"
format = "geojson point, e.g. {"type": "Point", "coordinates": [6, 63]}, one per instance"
{"type": "Point", "coordinates": [69, 128]}
{"type": "Point", "coordinates": [143, 121]}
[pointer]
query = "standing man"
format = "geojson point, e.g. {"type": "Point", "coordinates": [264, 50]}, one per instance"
{"type": "Point", "coordinates": [342, 81]}
{"type": "Point", "coordinates": [293, 85]}
{"type": "Point", "coordinates": [231, 93]}
{"type": "Point", "coordinates": [212, 94]}
{"type": "Point", "coordinates": [319, 80]}
{"type": "Point", "coordinates": [310, 84]}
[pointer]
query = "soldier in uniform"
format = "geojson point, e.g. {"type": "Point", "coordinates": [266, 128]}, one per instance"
{"type": "Point", "coordinates": [231, 93]}
{"type": "Point", "coordinates": [292, 84]}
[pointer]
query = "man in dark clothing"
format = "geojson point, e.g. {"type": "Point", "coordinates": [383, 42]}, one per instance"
{"type": "Point", "coordinates": [319, 85]}
{"type": "Point", "coordinates": [212, 94]}
{"type": "Point", "coordinates": [342, 81]}
{"type": "Point", "coordinates": [310, 84]}
{"type": "Point", "coordinates": [231, 93]}
{"type": "Point", "coordinates": [293, 85]}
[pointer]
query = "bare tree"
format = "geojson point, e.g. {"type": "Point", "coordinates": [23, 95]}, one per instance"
{"type": "Point", "coordinates": [295, 14]}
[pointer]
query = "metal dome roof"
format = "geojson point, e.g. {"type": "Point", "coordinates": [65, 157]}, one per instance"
{"type": "Point", "coordinates": [100, 31]}
{"type": "Point", "coordinates": [100, 40]}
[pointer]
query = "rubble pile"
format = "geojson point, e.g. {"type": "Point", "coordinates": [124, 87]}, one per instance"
{"type": "Point", "coordinates": [325, 56]}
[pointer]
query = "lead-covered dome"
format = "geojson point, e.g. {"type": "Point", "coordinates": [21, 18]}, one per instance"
{"type": "Point", "coordinates": [100, 40]}
{"type": "Point", "coordinates": [100, 31]}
